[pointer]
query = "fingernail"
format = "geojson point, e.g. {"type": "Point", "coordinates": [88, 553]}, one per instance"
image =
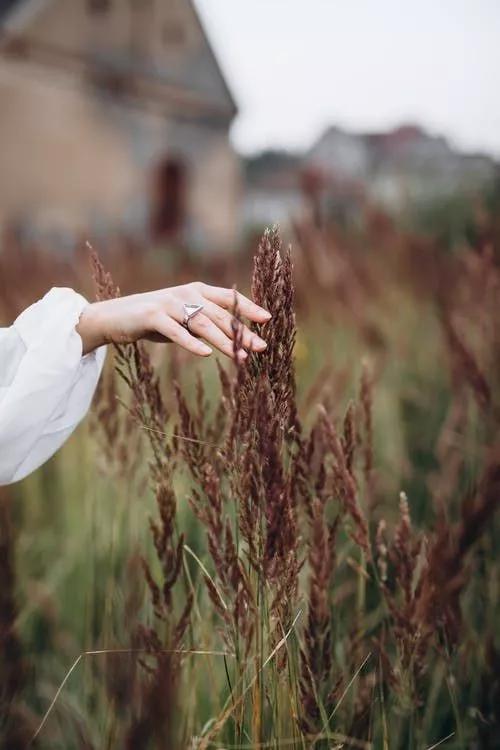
{"type": "Point", "coordinates": [242, 355]}
{"type": "Point", "coordinates": [204, 349]}
{"type": "Point", "coordinates": [258, 344]}
{"type": "Point", "coordinates": [267, 315]}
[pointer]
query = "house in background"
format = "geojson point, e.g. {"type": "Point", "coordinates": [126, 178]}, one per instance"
{"type": "Point", "coordinates": [401, 167]}
{"type": "Point", "coordinates": [273, 191]}
{"type": "Point", "coordinates": [115, 116]}
{"type": "Point", "coordinates": [343, 172]}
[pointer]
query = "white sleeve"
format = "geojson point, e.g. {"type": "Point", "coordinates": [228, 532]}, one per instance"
{"type": "Point", "coordinates": [46, 386]}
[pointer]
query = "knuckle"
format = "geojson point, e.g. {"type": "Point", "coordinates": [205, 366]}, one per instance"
{"type": "Point", "coordinates": [152, 313]}
{"type": "Point", "coordinates": [200, 322]}
{"type": "Point", "coordinates": [166, 300]}
{"type": "Point", "coordinates": [173, 334]}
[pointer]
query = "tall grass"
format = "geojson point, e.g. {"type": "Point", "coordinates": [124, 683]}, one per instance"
{"type": "Point", "coordinates": [320, 567]}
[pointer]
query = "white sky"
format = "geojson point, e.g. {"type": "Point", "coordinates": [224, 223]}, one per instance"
{"type": "Point", "coordinates": [296, 66]}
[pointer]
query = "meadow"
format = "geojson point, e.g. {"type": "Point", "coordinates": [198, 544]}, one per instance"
{"type": "Point", "coordinates": [301, 552]}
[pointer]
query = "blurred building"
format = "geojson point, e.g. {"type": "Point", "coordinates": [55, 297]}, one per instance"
{"type": "Point", "coordinates": [273, 192]}
{"type": "Point", "coordinates": [342, 172]}
{"type": "Point", "coordinates": [403, 166]}
{"type": "Point", "coordinates": [115, 115]}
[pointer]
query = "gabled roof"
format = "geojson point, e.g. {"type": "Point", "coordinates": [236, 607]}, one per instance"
{"type": "Point", "coordinates": [214, 57]}
{"type": "Point", "coordinates": [16, 14]}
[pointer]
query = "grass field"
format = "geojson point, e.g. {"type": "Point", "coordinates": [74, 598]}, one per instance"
{"type": "Point", "coordinates": [318, 528]}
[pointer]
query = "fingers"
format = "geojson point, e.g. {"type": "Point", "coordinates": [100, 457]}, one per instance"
{"type": "Point", "coordinates": [202, 326]}
{"type": "Point", "coordinates": [226, 298]}
{"type": "Point", "coordinates": [168, 327]}
{"type": "Point", "coordinates": [223, 320]}
{"type": "Point", "coordinates": [214, 324]}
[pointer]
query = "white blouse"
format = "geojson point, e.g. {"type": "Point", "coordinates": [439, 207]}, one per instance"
{"type": "Point", "coordinates": [46, 386]}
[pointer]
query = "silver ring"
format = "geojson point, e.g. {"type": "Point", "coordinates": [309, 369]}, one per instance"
{"type": "Point", "coordinates": [190, 311]}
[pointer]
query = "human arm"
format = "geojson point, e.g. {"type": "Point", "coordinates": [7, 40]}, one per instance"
{"type": "Point", "coordinates": [52, 356]}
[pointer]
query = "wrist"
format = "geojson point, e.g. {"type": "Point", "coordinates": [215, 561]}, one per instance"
{"type": "Point", "coordinates": [91, 329]}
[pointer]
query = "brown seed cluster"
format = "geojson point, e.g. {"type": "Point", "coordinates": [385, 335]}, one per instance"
{"type": "Point", "coordinates": [293, 520]}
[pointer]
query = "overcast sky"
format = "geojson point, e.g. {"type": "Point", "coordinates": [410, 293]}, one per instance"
{"type": "Point", "coordinates": [296, 66]}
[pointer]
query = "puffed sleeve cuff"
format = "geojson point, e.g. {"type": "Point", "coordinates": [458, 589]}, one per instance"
{"type": "Point", "coordinates": [53, 385]}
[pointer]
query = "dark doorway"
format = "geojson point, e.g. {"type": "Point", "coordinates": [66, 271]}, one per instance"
{"type": "Point", "coordinates": [168, 205]}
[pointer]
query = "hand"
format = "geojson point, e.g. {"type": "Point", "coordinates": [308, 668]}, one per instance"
{"type": "Point", "coordinates": [158, 316]}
